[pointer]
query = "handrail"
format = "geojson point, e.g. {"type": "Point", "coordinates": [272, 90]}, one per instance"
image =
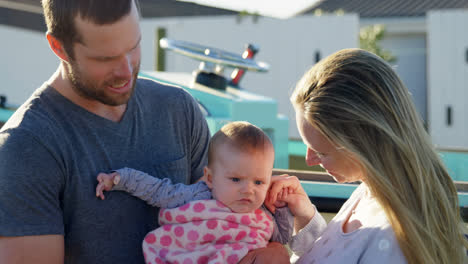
{"type": "Point", "coordinates": [453, 149]}
{"type": "Point", "coordinates": [304, 175]}
{"type": "Point", "coordinates": [324, 177]}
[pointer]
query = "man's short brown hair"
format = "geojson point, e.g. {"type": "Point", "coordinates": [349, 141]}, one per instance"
{"type": "Point", "coordinates": [60, 16]}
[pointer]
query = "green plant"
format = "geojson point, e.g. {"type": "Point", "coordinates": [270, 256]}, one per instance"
{"type": "Point", "coordinates": [244, 13]}
{"type": "Point", "coordinates": [369, 39]}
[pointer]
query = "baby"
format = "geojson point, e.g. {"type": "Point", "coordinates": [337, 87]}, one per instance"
{"type": "Point", "coordinates": [220, 225]}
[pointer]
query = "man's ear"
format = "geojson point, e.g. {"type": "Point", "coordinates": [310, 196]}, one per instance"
{"type": "Point", "coordinates": [57, 47]}
{"type": "Point", "coordinates": [207, 177]}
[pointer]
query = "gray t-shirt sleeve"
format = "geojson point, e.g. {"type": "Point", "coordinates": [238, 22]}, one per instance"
{"type": "Point", "coordinates": [199, 140]}
{"type": "Point", "coordinates": [283, 225]}
{"type": "Point", "coordinates": [160, 192]}
{"type": "Point", "coordinates": [31, 184]}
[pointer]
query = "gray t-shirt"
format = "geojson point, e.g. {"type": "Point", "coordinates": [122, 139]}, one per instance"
{"type": "Point", "coordinates": [51, 151]}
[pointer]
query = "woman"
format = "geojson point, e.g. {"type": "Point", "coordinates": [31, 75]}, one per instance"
{"type": "Point", "coordinates": [359, 123]}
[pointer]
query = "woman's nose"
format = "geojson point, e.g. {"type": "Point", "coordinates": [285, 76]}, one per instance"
{"type": "Point", "coordinates": [311, 158]}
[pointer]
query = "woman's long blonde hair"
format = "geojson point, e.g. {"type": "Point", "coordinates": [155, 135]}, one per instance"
{"type": "Point", "coordinates": [358, 102]}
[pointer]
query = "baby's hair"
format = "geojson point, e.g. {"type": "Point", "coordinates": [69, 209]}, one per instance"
{"type": "Point", "coordinates": [239, 134]}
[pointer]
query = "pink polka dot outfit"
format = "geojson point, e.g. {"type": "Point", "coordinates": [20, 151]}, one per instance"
{"type": "Point", "coordinates": [206, 231]}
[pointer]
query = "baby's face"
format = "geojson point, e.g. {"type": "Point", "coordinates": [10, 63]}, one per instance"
{"type": "Point", "coordinates": [240, 179]}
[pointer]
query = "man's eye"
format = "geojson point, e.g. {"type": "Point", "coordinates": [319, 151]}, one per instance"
{"type": "Point", "coordinates": [258, 182]}
{"type": "Point", "coordinates": [235, 179]}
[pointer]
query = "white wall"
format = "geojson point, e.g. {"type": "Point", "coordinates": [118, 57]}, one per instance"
{"type": "Point", "coordinates": [26, 63]}
{"type": "Point", "coordinates": [448, 76]}
{"type": "Point", "coordinates": [289, 47]}
{"type": "Point", "coordinates": [410, 50]}
{"type": "Point", "coordinates": [405, 38]}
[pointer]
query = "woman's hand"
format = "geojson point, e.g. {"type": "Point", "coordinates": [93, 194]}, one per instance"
{"type": "Point", "coordinates": [285, 188]}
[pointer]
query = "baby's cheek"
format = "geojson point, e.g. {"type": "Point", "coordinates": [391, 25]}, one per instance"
{"type": "Point", "coordinates": [214, 194]}
{"type": "Point", "coordinates": [263, 191]}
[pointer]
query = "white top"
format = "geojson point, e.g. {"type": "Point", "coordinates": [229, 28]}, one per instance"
{"type": "Point", "coordinates": [373, 242]}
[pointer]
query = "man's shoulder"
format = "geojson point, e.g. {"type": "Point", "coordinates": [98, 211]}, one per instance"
{"type": "Point", "coordinates": [35, 116]}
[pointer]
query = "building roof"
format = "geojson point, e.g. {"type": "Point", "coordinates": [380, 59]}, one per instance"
{"type": "Point", "coordinates": [28, 13]}
{"type": "Point", "coordinates": [387, 8]}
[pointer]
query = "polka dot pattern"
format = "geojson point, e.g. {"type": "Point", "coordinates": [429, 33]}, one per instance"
{"type": "Point", "coordinates": [206, 231]}
{"type": "Point", "coordinates": [150, 238]}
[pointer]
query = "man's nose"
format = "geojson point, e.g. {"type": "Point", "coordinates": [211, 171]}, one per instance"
{"type": "Point", "coordinates": [125, 68]}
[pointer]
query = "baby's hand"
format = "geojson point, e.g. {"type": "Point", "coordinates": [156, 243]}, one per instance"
{"type": "Point", "coordinates": [282, 195]}
{"type": "Point", "coordinates": [106, 182]}
{"type": "Point", "coordinates": [280, 199]}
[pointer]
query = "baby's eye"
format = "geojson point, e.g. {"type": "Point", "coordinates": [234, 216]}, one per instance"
{"type": "Point", "coordinates": [258, 182]}
{"type": "Point", "coordinates": [235, 179]}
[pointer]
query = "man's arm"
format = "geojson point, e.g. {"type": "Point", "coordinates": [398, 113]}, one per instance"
{"type": "Point", "coordinates": [47, 249]}
{"type": "Point", "coordinates": [31, 220]}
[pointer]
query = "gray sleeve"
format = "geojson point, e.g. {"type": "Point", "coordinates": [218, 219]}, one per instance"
{"type": "Point", "coordinates": [304, 239]}
{"type": "Point", "coordinates": [283, 225]}
{"type": "Point", "coordinates": [31, 186]}
{"type": "Point", "coordinates": [200, 138]}
{"type": "Point", "coordinates": [160, 192]}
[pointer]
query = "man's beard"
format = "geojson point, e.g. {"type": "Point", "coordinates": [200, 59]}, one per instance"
{"type": "Point", "coordinates": [92, 90]}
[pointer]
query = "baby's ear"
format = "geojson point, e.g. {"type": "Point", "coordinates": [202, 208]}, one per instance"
{"type": "Point", "coordinates": [207, 177]}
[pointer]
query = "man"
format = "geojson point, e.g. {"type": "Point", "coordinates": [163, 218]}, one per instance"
{"type": "Point", "coordinates": [92, 115]}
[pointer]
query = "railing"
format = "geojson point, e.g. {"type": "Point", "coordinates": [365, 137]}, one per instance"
{"type": "Point", "coordinates": [320, 185]}
{"type": "Point", "coordinates": [316, 176]}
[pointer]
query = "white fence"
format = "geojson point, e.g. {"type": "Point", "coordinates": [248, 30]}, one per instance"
{"type": "Point", "coordinates": [448, 77]}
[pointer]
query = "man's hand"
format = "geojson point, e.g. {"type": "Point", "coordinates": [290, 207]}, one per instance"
{"type": "Point", "coordinates": [274, 253]}
{"type": "Point", "coordinates": [106, 182]}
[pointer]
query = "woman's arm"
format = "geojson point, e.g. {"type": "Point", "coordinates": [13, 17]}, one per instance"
{"type": "Point", "coordinates": [297, 199]}
{"type": "Point", "coordinates": [309, 224]}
